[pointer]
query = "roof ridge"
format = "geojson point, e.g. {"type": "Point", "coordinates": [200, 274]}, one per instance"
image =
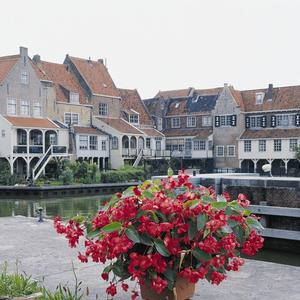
{"type": "Point", "coordinates": [8, 57]}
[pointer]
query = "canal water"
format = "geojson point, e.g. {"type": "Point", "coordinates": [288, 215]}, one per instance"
{"type": "Point", "coordinates": [69, 207]}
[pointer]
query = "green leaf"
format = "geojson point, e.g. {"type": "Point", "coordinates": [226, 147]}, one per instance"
{"type": "Point", "coordinates": [207, 199]}
{"type": "Point", "coordinates": [192, 229]}
{"type": "Point", "coordinates": [232, 223]}
{"type": "Point", "coordinates": [201, 221]}
{"type": "Point", "coordinates": [128, 192]}
{"type": "Point", "coordinates": [119, 270]}
{"type": "Point", "coordinates": [145, 239]}
{"type": "Point", "coordinates": [154, 216]}
{"type": "Point", "coordinates": [239, 233]}
{"type": "Point", "coordinates": [247, 212]}
{"type": "Point", "coordinates": [161, 216]}
{"type": "Point", "coordinates": [230, 211]}
{"type": "Point", "coordinates": [114, 226]}
{"type": "Point", "coordinates": [78, 219]}
{"type": "Point", "coordinates": [114, 199]}
{"type": "Point", "coordinates": [219, 204]}
{"type": "Point", "coordinates": [161, 248]}
{"type": "Point", "coordinates": [108, 269]}
{"type": "Point", "coordinates": [132, 234]}
{"type": "Point", "coordinates": [206, 232]}
{"type": "Point", "coordinates": [201, 255]}
{"type": "Point", "coordinates": [191, 203]}
{"type": "Point", "coordinates": [92, 233]}
{"type": "Point", "coordinates": [147, 194]}
{"type": "Point", "coordinates": [157, 181]}
{"type": "Point", "coordinates": [226, 229]}
{"type": "Point", "coordinates": [170, 172]}
{"type": "Point", "coordinates": [253, 223]}
{"type": "Point", "coordinates": [170, 274]}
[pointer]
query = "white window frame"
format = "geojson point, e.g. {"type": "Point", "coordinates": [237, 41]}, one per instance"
{"type": "Point", "coordinates": [74, 97]}
{"type": "Point", "coordinates": [225, 120]}
{"type": "Point", "coordinates": [206, 121]}
{"type": "Point", "coordinates": [173, 125]}
{"type": "Point", "coordinates": [190, 121]}
{"type": "Point", "coordinates": [262, 145]}
{"type": "Point", "coordinates": [115, 143]}
{"type": "Point", "coordinates": [148, 143]}
{"type": "Point", "coordinates": [217, 151]}
{"type": "Point", "coordinates": [11, 103]}
{"type": "Point", "coordinates": [103, 145]}
{"type": "Point", "coordinates": [93, 142]}
{"type": "Point", "coordinates": [228, 150]}
{"type": "Point", "coordinates": [134, 119]}
{"type": "Point", "coordinates": [285, 120]}
{"type": "Point", "coordinates": [37, 109]}
{"type": "Point", "coordinates": [293, 145]}
{"type": "Point", "coordinates": [199, 145]}
{"type": "Point", "coordinates": [247, 146]}
{"type": "Point", "coordinates": [24, 107]}
{"type": "Point", "coordinates": [103, 109]}
{"type": "Point", "coordinates": [255, 121]}
{"type": "Point", "coordinates": [259, 98]}
{"type": "Point", "coordinates": [83, 142]}
{"type": "Point", "coordinates": [72, 118]}
{"type": "Point", "coordinates": [277, 145]}
{"type": "Point", "coordinates": [24, 77]}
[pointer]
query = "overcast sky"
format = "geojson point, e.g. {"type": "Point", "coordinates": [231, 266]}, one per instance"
{"type": "Point", "coordinates": [164, 44]}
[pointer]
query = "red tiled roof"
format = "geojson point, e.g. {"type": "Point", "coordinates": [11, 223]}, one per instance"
{"type": "Point", "coordinates": [287, 97]}
{"type": "Point", "coordinates": [209, 92]}
{"type": "Point", "coordinates": [237, 95]}
{"type": "Point", "coordinates": [151, 132]}
{"type": "Point", "coordinates": [120, 125]}
{"type": "Point", "coordinates": [174, 93]}
{"type": "Point", "coordinates": [96, 76]}
{"type": "Point", "coordinates": [178, 107]}
{"type": "Point", "coordinates": [201, 133]}
{"type": "Point", "coordinates": [6, 64]}
{"type": "Point", "coordinates": [88, 130]}
{"type": "Point", "coordinates": [31, 122]}
{"type": "Point", "coordinates": [271, 133]}
{"type": "Point", "coordinates": [63, 81]}
{"type": "Point", "coordinates": [132, 100]}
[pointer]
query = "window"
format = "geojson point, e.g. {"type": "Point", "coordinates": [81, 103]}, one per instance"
{"type": "Point", "coordinates": [255, 122]}
{"type": "Point", "coordinates": [22, 137]}
{"type": "Point", "coordinates": [159, 123]}
{"type": "Point", "coordinates": [231, 151]}
{"type": "Point", "coordinates": [114, 143]}
{"type": "Point", "coordinates": [262, 146]}
{"type": "Point", "coordinates": [285, 120]}
{"type": "Point", "coordinates": [206, 121]}
{"type": "Point", "coordinates": [222, 120]}
{"type": "Point", "coordinates": [191, 121]}
{"type": "Point", "coordinates": [293, 145]}
{"type": "Point", "coordinates": [210, 145]}
{"type": "Point", "coordinates": [93, 142]}
{"type": "Point", "coordinates": [37, 109]}
{"type": "Point", "coordinates": [103, 144]}
{"type": "Point", "coordinates": [74, 97]}
{"type": "Point", "coordinates": [3, 132]}
{"type": "Point", "coordinates": [83, 142]}
{"type": "Point", "coordinates": [24, 107]}
{"type": "Point", "coordinates": [24, 77]}
{"type": "Point", "coordinates": [175, 122]}
{"type": "Point", "coordinates": [259, 98]}
{"type": "Point", "coordinates": [71, 118]}
{"type": "Point", "coordinates": [148, 143]}
{"type": "Point", "coordinates": [199, 145]}
{"type": "Point", "coordinates": [134, 119]}
{"type": "Point", "coordinates": [11, 107]}
{"type": "Point", "coordinates": [277, 145]}
{"type": "Point", "coordinates": [220, 151]}
{"type": "Point", "coordinates": [226, 120]}
{"type": "Point", "coordinates": [247, 146]}
{"type": "Point", "coordinates": [103, 109]}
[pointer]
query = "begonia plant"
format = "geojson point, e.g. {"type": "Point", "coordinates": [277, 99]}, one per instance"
{"type": "Point", "coordinates": [162, 229]}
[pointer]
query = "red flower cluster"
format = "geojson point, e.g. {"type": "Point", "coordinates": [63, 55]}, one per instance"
{"type": "Point", "coordinates": [159, 230]}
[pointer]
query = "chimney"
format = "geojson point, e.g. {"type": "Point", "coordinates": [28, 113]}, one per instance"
{"type": "Point", "coordinates": [36, 58]}
{"type": "Point", "coordinates": [100, 60]}
{"type": "Point", "coordinates": [270, 92]}
{"type": "Point", "coordinates": [23, 52]}
{"type": "Point", "coordinates": [225, 84]}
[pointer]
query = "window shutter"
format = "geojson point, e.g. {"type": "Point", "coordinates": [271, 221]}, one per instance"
{"type": "Point", "coordinates": [297, 120]}
{"type": "Point", "coordinates": [217, 121]}
{"type": "Point", "coordinates": [233, 120]}
{"type": "Point", "coordinates": [263, 121]}
{"type": "Point", "coordinates": [273, 121]}
{"type": "Point", "coordinates": [247, 122]}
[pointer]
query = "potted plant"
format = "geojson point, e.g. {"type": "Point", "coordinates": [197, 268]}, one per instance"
{"type": "Point", "coordinates": [166, 235]}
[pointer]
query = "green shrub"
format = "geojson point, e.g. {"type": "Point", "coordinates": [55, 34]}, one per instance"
{"type": "Point", "coordinates": [124, 175]}
{"type": "Point", "coordinates": [67, 176]}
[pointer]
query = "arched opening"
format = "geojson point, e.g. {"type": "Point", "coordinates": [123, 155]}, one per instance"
{"type": "Point", "coordinates": [278, 167]}
{"type": "Point", "coordinates": [20, 167]}
{"type": "Point", "coordinates": [50, 138]}
{"type": "Point", "coordinates": [35, 141]}
{"type": "Point", "coordinates": [125, 142]}
{"type": "Point", "coordinates": [260, 164]}
{"type": "Point", "coordinates": [293, 167]}
{"type": "Point", "coordinates": [141, 143]}
{"type": "Point", "coordinates": [32, 164]}
{"type": "Point", "coordinates": [247, 166]}
{"type": "Point", "coordinates": [133, 142]}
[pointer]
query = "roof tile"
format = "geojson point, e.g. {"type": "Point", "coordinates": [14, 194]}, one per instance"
{"type": "Point", "coordinates": [31, 122]}
{"type": "Point", "coordinates": [271, 133]}
{"type": "Point", "coordinates": [120, 125]}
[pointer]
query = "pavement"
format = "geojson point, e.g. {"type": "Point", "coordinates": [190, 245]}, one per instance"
{"type": "Point", "coordinates": [45, 256]}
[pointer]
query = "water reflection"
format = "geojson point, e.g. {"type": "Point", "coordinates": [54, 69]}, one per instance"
{"type": "Point", "coordinates": [64, 207]}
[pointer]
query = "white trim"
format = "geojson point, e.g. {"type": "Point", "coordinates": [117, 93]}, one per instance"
{"type": "Point", "coordinates": [217, 147]}
{"type": "Point", "coordinates": [266, 111]}
{"type": "Point", "coordinates": [72, 113]}
{"type": "Point", "coordinates": [227, 151]}
{"type": "Point", "coordinates": [76, 104]}
{"type": "Point", "coordinates": [100, 95]}
{"type": "Point", "coordinates": [172, 122]}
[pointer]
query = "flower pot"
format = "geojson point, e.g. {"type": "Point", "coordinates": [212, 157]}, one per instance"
{"type": "Point", "coordinates": [183, 290]}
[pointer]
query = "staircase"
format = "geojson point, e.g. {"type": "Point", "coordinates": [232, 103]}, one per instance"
{"type": "Point", "coordinates": [138, 159]}
{"type": "Point", "coordinates": [41, 164]}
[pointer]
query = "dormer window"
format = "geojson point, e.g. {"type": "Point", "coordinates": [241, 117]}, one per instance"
{"type": "Point", "coordinates": [103, 109]}
{"type": "Point", "coordinates": [134, 119]}
{"type": "Point", "coordinates": [259, 98]}
{"type": "Point", "coordinates": [177, 105]}
{"type": "Point", "coordinates": [74, 97]}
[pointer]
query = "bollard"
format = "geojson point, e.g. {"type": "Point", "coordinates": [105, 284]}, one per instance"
{"type": "Point", "coordinates": [40, 214]}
